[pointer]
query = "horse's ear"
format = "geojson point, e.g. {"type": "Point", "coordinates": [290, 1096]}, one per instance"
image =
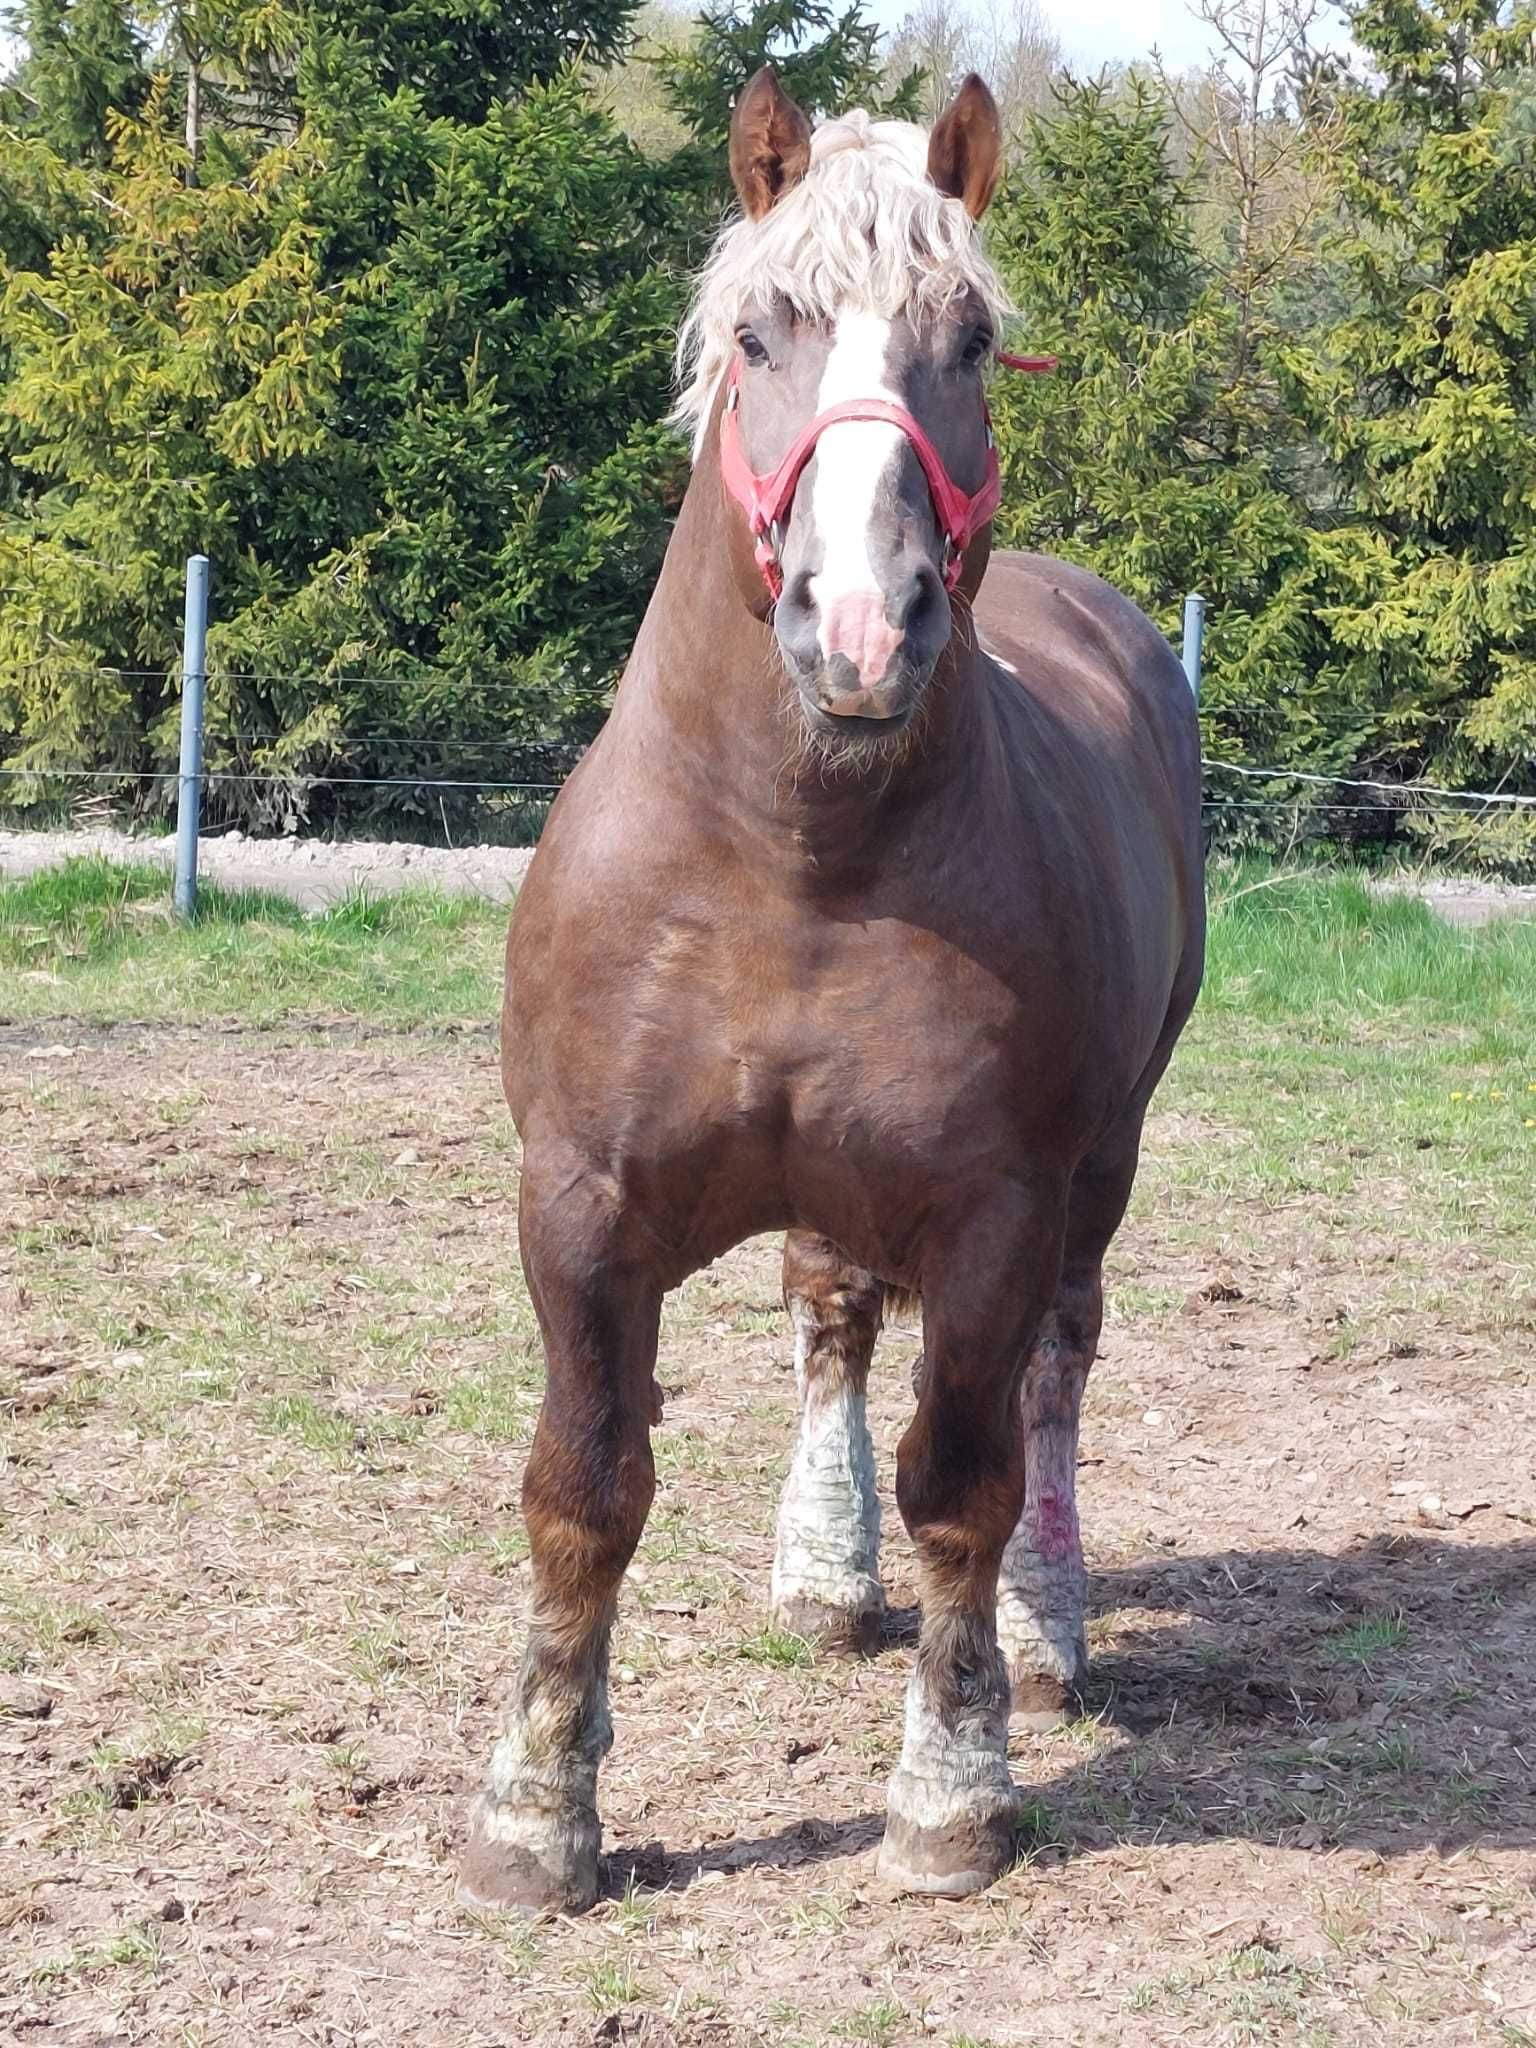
{"type": "Point", "coordinates": [770, 143]}
{"type": "Point", "coordinates": [965, 150]}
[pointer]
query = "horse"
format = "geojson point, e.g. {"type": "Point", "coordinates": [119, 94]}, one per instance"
{"type": "Point", "coordinates": [872, 915]}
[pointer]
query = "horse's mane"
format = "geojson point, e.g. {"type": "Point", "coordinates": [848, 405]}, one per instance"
{"type": "Point", "coordinates": [865, 230]}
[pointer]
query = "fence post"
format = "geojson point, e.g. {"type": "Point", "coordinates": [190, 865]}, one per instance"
{"type": "Point", "coordinates": [189, 794]}
{"type": "Point", "coordinates": [1194, 639]}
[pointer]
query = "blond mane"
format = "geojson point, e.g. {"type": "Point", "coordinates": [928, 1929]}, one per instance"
{"type": "Point", "coordinates": [864, 231]}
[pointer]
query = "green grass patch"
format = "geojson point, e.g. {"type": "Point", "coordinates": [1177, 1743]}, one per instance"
{"type": "Point", "coordinates": [1320, 944]}
{"type": "Point", "coordinates": [99, 942]}
{"type": "Point", "coordinates": [779, 1648]}
{"type": "Point", "coordinates": [1352, 1053]}
{"type": "Point", "coordinates": [1369, 1640]}
{"type": "Point", "coordinates": [1359, 1061]}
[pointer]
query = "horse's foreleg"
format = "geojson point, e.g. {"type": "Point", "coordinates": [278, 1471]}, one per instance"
{"type": "Point", "coordinates": [960, 1484]}
{"type": "Point", "coordinates": [534, 1832]}
{"type": "Point", "coordinates": [826, 1567]}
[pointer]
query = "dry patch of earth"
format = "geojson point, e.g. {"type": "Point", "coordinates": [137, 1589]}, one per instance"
{"type": "Point", "coordinates": [267, 1375]}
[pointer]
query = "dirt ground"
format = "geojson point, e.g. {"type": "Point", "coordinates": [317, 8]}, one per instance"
{"type": "Point", "coordinates": [267, 1374]}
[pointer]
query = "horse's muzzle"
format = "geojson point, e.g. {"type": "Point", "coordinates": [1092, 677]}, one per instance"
{"type": "Point", "coordinates": [866, 656]}
{"type": "Point", "coordinates": [838, 692]}
{"type": "Point", "coordinates": [839, 705]}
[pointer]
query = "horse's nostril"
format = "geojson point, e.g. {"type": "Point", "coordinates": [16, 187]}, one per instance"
{"type": "Point", "coordinates": [919, 598]}
{"type": "Point", "coordinates": [796, 594]}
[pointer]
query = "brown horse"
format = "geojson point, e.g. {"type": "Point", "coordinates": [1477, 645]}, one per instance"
{"type": "Point", "coordinates": [873, 915]}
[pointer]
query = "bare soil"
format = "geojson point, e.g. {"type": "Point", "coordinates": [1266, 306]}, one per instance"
{"type": "Point", "coordinates": [267, 1375]}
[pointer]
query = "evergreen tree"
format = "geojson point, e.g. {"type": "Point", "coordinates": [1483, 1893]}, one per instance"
{"type": "Point", "coordinates": [165, 373]}
{"type": "Point", "coordinates": [84, 59]}
{"type": "Point", "coordinates": [826, 59]}
{"type": "Point", "coordinates": [1422, 388]}
{"type": "Point", "coordinates": [1140, 456]}
{"type": "Point", "coordinates": [457, 58]}
{"type": "Point", "coordinates": [403, 376]}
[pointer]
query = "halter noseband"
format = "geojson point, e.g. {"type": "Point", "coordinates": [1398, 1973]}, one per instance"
{"type": "Point", "coordinates": [766, 499]}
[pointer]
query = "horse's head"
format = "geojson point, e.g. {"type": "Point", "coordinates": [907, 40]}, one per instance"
{"type": "Point", "coordinates": [845, 326]}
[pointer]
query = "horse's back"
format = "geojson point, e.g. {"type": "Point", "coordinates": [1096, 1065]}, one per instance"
{"type": "Point", "coordinates": [1099, 718]}
{"type": "Point", "coordinates": [1078, 643]}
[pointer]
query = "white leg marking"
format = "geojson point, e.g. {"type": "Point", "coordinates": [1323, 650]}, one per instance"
{"type": "Point", "coordinates": [948, 1772]}
{"type": "Point", "coordinates": [829, 1519]}
{"type": "Point", "coordinates": [534, 1831]}
{"type": "Point", "coordinates": [1043, 1582]}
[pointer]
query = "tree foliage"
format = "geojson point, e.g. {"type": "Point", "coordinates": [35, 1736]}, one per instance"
{"type": "Point", "coordinates": [1149, 453]}
{"type": "Point", "coordinates": [375, 304]}
{"type": "Point", "coordinates": [1421, 390]}
{"type": "Point", "coordinates": [827, 59]}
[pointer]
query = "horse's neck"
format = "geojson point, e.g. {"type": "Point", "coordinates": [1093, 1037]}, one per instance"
{"type": "Point", "coordinates": [710, 671]}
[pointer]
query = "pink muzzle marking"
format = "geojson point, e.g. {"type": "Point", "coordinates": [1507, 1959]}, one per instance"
{"type": "Point", "coordinates": [855, 624]}
{"type": "Point", "coordinates": [766, 499]}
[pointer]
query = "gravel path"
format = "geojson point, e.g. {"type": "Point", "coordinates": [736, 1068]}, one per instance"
{"type": "Point", "coordinates": [316, 872]}
{"type": "Point", "coordinates": [1460, 899]}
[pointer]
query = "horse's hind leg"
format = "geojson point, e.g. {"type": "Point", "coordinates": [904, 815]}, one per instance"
{"type": "Point", "coordinates": [1041, 1586]}
{"type": "Point", "coordinates": [1043, 1581]}
{"type": "Point", "coordinates": [534, 1833]}
{"type": "Point", "coordinates": [960, 1482]}
{"type": "Point", "coordinates": [826, 1567]}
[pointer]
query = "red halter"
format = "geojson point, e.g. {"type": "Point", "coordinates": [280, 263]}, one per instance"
{"type": "Point", "coordinates": [766, 499]}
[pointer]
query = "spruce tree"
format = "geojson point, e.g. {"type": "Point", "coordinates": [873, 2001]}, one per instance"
{"type": "Point", "coordinates": [84, 59]}
{"type": "Point", "coordinates": [1139, 456]}
{"type": "Point", "coordinates": [1421, 391]}
{"type": "Point", "coordinates": [826, 58]}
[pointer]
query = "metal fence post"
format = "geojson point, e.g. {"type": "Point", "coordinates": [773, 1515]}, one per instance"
{"type": "Point", "coordinates": [1194, 639]}
{"type": "Point", "coordinates": [189, 794]}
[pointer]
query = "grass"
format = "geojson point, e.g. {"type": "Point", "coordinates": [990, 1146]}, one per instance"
{"type": "Point", "coordinates": [610, 1986]}
{"type": "Point", "coordinates": [1359, 1062]}
{"type": "Point", "coordinates": [876, 2024]}
{"type": "Point", "coordinates": [1319, 944]}
{"type": "Point", "coordinates": [1369, 1640]}
{"type": "Point", "coordinates": [779, 1648]}
{"type": "Point", "coordinates": [98, 942]}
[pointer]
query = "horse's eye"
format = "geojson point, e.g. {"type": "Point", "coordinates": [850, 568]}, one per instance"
{"type": "Point", "coordinates": [977, 349]}
{"type": "Point", "coordinates": [751, 347]}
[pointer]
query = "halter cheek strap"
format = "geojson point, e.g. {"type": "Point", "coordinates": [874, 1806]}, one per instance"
{"type": "Point", "coordinates": [766, 499]}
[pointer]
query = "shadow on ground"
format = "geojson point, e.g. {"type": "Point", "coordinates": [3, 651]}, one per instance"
{"type": "Point", "coordinates": [1377, 1699]}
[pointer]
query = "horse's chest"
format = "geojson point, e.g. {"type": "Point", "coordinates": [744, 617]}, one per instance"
{"type": "Point", "coordinates": [859, 1041]}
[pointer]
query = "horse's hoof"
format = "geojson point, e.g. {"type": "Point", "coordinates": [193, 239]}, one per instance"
{"type": "Point", "coordinates": [832, 1631]}
{"type": "Point", "coordinates": [517, 1861]}
{"type": "Point", "coordinates": [950, 1862]}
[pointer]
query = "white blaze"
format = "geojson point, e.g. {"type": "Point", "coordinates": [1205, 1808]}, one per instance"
{"type": "Point", "coordinates": [852, 459]}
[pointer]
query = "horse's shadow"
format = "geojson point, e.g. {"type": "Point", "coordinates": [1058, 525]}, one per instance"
{"type": "Point", "coordinates": [808, 1841]}
{"type": "Point", "coordinates": [1377, 1698]}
